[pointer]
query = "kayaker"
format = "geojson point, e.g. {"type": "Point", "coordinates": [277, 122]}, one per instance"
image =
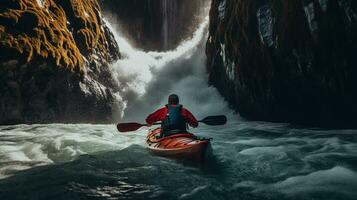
{"type": "Point", "coordinates": [173, 116]}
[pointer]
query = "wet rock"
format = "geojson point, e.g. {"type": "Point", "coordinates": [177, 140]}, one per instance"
{"type": "Point", "coordinates": [311, 16]}
{"type": "Point", "coordinates": [323, 4]}
{"type": "Point", "coordinates": [222, 9]}
{"type": "Point", "coordinates": [286, 61]}
{"type": "Point", "coordinates": [159, 24]}
{"type": "Point", "coordinates": [48, 49]}
{"type": "Point", "coordinates": [27, 22]}
{"type": "Point", "coordinates": [265, 23]}
{"type": "Point", "coordinates": [350, 12]}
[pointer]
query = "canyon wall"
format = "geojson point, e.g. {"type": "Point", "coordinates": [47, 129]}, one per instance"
{"type": "Point", "coordinates": [156, 24]}
{"type": "Point", "coordinates": [54, 62]}
{"type": "Point", "coordinates": [286, 61]}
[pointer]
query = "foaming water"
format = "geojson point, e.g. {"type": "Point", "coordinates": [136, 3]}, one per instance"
{"type": "Point", "coordinates": [337, 178]}
{"type": "Point", "coordinates": [251, 160]}
{"type": "Point", "coordinates": [26, 146]}
{"type": "Point", "coordinates": [147, 78]}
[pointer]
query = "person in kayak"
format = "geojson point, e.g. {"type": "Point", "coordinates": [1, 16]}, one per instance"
{"type": "Point", "coordinates": [173, 116]}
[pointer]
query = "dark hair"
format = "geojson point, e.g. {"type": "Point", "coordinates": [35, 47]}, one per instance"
{"type": "Point", "coordinates": [173, 99]}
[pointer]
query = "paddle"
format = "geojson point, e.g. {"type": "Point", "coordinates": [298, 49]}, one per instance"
{"type": "Point", "coordinates": [214, 120]}
{"type": "Point", "coordinates": [210, 120]}
{"type": "Point", "coordinates": [132, 126]}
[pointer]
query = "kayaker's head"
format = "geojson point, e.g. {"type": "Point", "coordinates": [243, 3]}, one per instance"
{"type": "Point", "coordinates": [173, 99]}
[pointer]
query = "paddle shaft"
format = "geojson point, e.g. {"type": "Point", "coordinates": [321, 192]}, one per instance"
{"type": "Point", "coordinates": [157, 123]}
{"type": "Point", "coordinates": [210, 120]}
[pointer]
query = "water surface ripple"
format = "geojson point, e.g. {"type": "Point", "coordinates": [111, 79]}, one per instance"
{"type": "Point", "coordinates": [251, 160]}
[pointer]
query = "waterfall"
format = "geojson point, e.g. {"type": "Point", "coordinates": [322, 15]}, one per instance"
{"type": "Point", "coordinates": [165, 23]}
{"type": "Point", "coordinates": [147, 78]}
{"type": "Point", "coordinates": [168, 13]}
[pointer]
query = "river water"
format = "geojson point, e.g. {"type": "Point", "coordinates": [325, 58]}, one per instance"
{"type": "Point", "coordinates": [249, 160]}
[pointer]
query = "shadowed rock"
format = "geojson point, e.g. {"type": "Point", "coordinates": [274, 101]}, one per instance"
{"type": "Point", "coordinates": [159, 24]}
{"type": "Point", "coordinates": [291, 61]}
{"type": "Point", "coordinates": [54, 62]}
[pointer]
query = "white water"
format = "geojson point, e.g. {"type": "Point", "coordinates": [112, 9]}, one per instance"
{"type": "Point", "coordinates": [255, 160]}
{"type": "Point", "coordinates": [27, 146]}
{"type": "Point", "coordinates": [147, 78]}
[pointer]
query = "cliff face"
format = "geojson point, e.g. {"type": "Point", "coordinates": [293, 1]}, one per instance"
{"type": "Point", "coordinates": [159, 24]}
{"type": "Point", "coordinates": [54, 62]}
{"type": "Point", "coordinates": [281, 60]}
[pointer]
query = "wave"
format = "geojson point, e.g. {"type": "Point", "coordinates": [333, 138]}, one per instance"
{"type": "Point", "coordinates": [147, 78]}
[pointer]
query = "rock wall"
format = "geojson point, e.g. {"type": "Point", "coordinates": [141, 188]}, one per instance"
{"type": "Point", "coordinates": [287, 61]}
{"type": "Point", "coordinates": [157, 24]}
{"type": "Point", "coordinates": [54, 62]}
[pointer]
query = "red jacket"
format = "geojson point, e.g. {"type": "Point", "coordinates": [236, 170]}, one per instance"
{"type": "Point", "coordinates": [161, 113]}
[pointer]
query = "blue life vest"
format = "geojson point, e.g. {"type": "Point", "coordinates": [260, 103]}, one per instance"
{"type": "Point", "coordinates": [174, 120]}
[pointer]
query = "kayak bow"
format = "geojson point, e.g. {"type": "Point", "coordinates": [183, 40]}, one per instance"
{"type": "Point", "coordinates": [181, 145]}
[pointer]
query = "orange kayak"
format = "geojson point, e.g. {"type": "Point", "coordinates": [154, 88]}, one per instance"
{"type": "Point", "coordinates": [181, 145]}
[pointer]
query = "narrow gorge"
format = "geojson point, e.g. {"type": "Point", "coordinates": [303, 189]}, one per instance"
{"type": "Point", "coordinates": [279, 61]}
{"type": "Point", "coordinates": [286, 61]}
{"type": "Point", "coordinates": [59, 58]}
{"type": "Point", "coordinates": [158, 25]}
{"type": "Point", "coordinates": [271, 83]}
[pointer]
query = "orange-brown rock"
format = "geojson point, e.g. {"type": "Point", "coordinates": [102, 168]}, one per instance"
{"type": "Point", "coordinates": [55, 60]}
{"type": "Point", "coordinates": [65, 31]}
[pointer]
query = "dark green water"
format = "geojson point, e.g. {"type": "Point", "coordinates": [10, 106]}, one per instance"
{"type": "Point", "coordinates": [251, 160]}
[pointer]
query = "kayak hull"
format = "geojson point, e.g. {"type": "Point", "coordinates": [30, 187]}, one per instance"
{"type": "Point", "coordinates": [181, 145]}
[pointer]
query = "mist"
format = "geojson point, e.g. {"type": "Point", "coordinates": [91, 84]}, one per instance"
{"type": "Point", "coordinates": [147, 78]}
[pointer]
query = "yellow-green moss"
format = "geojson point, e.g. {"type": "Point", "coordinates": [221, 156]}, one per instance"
{"type": "Point", "coordinates": [49, 37]}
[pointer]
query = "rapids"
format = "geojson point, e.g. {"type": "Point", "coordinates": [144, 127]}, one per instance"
{"type": "Point", "coordinates": [249, 160]}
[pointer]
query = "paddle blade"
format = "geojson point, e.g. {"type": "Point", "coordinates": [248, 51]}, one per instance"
{"type": "Point", "coordinates": [127, 127]}
{"type": "Point", "coordinates": [214, 120]}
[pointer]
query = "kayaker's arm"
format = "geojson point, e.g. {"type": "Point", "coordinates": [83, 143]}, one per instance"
{"type": "Point", "coordinates": [210, 120]}
{"type": "Point", "coordinates": [192, 121]}
{"type": "Point", "coordinates": [158, 115]}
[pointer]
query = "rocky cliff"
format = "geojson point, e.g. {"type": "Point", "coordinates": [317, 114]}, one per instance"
{"type": "Point", "coordinates": [158, 24]}
{"type": "Point", "coordinates": [54, 62]}
{"type": "Point", "coordinates": [291, 61]}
